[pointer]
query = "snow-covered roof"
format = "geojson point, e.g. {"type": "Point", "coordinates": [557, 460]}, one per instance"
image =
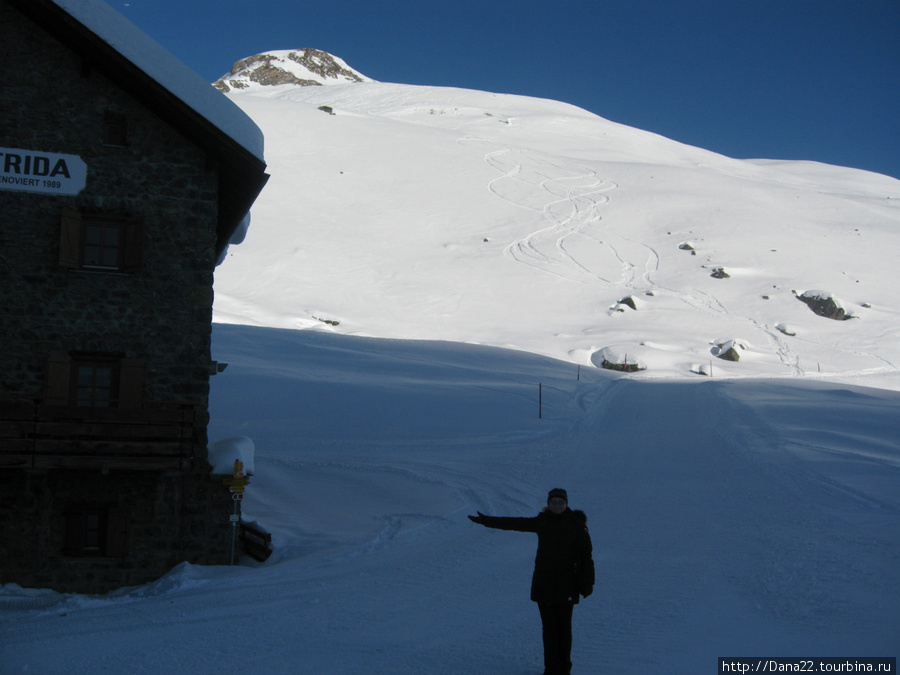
{"type": "Point", "coordinates": [109, 43]}
{"type": "Point", "coordinates": [167, 70]}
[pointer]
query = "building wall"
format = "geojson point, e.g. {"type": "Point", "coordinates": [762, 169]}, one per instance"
{"type": "Point", "coordinates": [163, 311]}
{"type": "Point", "coordinates": [159, 314]}
{"type": "Point", "coordinates": [170, 519]}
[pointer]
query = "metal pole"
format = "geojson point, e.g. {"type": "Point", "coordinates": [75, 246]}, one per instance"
{"type": "Point", "coordinates": [234, 529]}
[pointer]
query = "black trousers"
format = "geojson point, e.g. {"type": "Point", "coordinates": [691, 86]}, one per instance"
{"type": "Point", "coordinates": [557, 630]}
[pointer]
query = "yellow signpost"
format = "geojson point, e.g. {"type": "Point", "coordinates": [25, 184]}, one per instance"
{"type": "Point", "coordinates": [236, 485]}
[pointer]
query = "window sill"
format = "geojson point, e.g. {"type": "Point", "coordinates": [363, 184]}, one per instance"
{"type": "Point", "coordinates": [91, 271]}
{"type": "Point", "coordinates": [69, 559]}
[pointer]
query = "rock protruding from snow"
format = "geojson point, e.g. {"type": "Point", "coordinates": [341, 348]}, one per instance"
{"type": "Point", "coordinates": [613, 358]}
{"type": "Point", "coordinates": [728, 350]}
{"type": "Point", "coordinates": [825, 304]}
{"type": "Point", "coordinates": [298, 67]}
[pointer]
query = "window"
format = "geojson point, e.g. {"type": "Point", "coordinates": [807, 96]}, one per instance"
{"type": "Point", "coordinates": [102, 245]}
{"type": "Point", "coordinates": [95, 531]}
{"type": "Point", "coordinates": [95, 385]}
{"type": "Point", "coordinates": [100, 242]}
{"type": "Point", "coordinates": [88, 380]}
{"type": "Point", "coordinates": [115, 128]}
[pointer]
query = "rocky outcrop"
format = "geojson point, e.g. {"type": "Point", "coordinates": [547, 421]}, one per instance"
{"type": "Point", "coordinates": [300, 67]}
{"type": "Point", "coordinates": [324, 65]}
{"type": "Point", "coordinates": [824, 304]}
{"type": "Point", "coordinates": [260, 69]}
{"type": "Point", "coordinates": [728, 350]}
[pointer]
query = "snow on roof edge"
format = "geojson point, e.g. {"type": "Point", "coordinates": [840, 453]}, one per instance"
{"type": "Point", "coordinates": [166, 69]}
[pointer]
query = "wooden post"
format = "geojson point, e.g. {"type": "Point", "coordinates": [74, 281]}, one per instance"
{"type": "Point", "coordinates": [540, 400]}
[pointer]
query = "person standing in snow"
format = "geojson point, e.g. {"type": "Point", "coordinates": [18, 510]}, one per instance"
{"type": "Point", "coordinates": [563, 570]}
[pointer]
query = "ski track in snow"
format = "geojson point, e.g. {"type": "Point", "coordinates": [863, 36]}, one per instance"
{"type": "Point", "coordinates": [569, 199]}
{"type": "Point", "coordinates": [574, 245]}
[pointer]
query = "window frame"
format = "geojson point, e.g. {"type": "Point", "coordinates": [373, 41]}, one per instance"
{"type": "Point", "coordinates": [75, 227]}
{"type": "Point", "coordinates": [115, 129]}
{"type": "Point", "coordinates": [95, 393]}
{"type": "Point", "coordinates": [97, 247]}
{"type": "Point", "coordinates": [95, 531]}
{"type": "Point", "coordinates": [62, 376]}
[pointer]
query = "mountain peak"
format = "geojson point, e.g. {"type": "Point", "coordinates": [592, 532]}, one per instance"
{"type": "Point", "coordinates": [300, 67]}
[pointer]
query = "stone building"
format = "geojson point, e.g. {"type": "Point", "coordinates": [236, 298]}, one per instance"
{"type": "Point", "coordinates": [123, 176]}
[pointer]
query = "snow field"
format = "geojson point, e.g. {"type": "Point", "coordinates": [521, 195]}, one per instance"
{"type": "Point", "coordinates": [728, 517]}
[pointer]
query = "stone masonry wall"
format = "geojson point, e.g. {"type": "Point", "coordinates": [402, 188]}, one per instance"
{"type": "Point", "coordinates": [171, 519]}
{"type": "Point", "coordinates": [162, 313]}
{"type": "Point", "coordinates": [54, 102]}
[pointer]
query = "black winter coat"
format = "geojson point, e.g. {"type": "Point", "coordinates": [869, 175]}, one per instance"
{"type": "Point", "coordinates": [563, 566]}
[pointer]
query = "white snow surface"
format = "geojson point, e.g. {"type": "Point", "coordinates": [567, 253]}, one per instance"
{"type": "Point", "coordinates": [223, 454]}
{"type": "Point", "coordinates": [748, 508]}
{"type": "Point", "coordinates": [447, 214]}
{"type": "Point", "coordinates": [167, 70]}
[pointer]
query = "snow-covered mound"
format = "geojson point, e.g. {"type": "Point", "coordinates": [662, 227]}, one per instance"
{"type": "Point", "coordinates": [298, 67]}
{"type": "Point", "coordinates": [439, 213]}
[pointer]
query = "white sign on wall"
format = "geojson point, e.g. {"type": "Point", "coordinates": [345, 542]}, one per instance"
{"type": "Point", "coordinates": [30, 171]}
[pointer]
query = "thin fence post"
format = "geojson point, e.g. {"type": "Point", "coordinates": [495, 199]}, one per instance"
{"type": "Point", "coordinates": [540, 400]}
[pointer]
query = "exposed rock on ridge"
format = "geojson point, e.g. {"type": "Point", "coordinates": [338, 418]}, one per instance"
{"type": "Point", "coordinates": [300, 67]}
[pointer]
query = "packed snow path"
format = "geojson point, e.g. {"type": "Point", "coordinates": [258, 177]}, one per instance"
{"type": "Point", "coordinates": [728, 518]}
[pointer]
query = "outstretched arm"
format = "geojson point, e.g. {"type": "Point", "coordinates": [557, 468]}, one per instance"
{"type": "Point", "coordinates": [503, 523]}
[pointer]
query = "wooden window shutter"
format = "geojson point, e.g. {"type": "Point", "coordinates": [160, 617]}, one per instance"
{"type": "Point", "coordinates": [131, 248]}
{"type": "Point", "coordinates": [116, 532]}
{"type": "Point", "coordinates": [59, 368]}
{"type": "Point", "coordinates": [70, 239]}
{"type": "Point", "coordinates": [131, 382]}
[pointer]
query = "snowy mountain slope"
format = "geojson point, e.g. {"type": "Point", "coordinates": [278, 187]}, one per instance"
{"type": "Point", "coordinates": [439, 213]}
{"type": "Point", "coordinates": [729, 517]}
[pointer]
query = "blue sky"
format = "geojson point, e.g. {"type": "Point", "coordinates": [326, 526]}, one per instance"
{"type": "Point", "coordinates": [780, 79]}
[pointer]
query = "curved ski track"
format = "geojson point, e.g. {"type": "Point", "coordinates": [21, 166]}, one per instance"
{"type": "Point", "coordinates": [574, 245]}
